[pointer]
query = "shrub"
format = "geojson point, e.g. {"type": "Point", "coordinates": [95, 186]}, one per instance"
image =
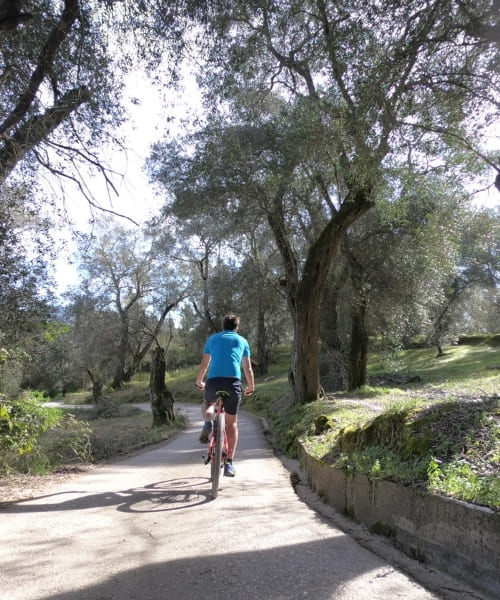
{"type": "Point", "coordinates": [21, 423]}
{"type": "Point", "coordinates": [68, 442]}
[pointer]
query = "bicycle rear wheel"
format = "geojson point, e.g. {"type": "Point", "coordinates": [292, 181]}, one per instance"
{"type": "Point", "coordinates": [216, 465]}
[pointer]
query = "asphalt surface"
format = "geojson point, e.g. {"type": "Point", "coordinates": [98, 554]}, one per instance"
{"type": "Point", "coordinates": [146, 528]}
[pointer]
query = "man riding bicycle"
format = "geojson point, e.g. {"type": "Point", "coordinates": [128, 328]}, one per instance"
{"type": "Point", "coordinates": [223, 356]}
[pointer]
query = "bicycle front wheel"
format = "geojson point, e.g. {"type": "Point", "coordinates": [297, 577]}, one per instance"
{"type": "Point", "coordinates": [217, 459]}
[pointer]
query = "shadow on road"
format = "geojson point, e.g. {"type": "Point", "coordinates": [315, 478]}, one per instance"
{"type": "Point", "coordinates": [173, 494]}
{"type": "Point", "coordinates": [317, 570]}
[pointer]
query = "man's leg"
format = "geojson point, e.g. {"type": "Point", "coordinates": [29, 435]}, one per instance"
{"type": "Point", "coordinates": [232, 434]}
{"type": "Point", "coordinates": [207, 414]}
{"type": "Point", "coordinates": [207, 411]}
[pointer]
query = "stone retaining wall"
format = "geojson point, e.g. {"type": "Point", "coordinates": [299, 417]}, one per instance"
{"type": "Point", "coordinates": [458, 538]}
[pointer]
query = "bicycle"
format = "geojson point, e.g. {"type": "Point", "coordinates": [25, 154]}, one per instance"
{"type": "Point", "coordinates": [217, 447]}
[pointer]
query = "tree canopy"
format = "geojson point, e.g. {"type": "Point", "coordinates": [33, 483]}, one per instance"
{"type": "Point", "coordinates": [318, 102]}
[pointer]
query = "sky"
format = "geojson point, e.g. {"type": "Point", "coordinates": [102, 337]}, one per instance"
{"type": "Point", "coordinates": [136, 197]}
{"type": "Point", "coordinates": [147, 124]}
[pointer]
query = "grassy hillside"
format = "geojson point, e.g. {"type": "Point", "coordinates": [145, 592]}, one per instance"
{"type": "Point", "coordinates": [440, 432]}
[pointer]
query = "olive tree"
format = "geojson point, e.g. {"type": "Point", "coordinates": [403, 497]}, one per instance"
{"type": "Point", "coordinates": [63, 69]}
{"type": "Point", "coordinates": [127, 274]}
{"type": "Point", "coordinates": [25, 299]}
{"type": "Point", "coordinates": [388, 81]}
{"type": "Point", "coordinates": [56, 84]}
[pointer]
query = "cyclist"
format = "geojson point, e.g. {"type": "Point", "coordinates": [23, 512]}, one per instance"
{"type": "Point", "coordinates": [223, 356]}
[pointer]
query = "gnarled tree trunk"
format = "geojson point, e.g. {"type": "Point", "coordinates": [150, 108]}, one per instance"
{"type": "Point", "coordinates": [96, 387]}
{"type": "Point", "coordinates": [358, 357]}
{"type": "Point", "coordinates": [304, 296]}
{"type": "Point", "coordinates": [162, 400]}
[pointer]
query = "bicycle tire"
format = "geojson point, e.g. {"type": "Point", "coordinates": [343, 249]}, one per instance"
{"type": "Point", "coordinates": [212, 456]}
{"type": "Point", "coordinates": [220, 427]}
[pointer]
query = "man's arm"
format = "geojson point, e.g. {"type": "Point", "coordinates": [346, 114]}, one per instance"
{"type": "Point", "coordinates": [247, 369]}
{"type": "Point", "coordinates": [202, 369]}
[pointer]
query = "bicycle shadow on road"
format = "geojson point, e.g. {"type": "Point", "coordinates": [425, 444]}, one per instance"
{"type": "Point", "coordinates": [168, 495]}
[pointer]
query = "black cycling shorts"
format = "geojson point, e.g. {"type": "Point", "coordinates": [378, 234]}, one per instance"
{"type": "Point", "coordinates": [227, 384]}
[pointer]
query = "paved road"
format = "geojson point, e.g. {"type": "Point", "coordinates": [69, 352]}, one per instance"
{"type": "Point", "coordinates": [146, 528]}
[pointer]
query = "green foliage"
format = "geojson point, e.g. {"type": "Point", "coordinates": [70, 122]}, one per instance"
{"type": "Point", "coordinates": [41, 396]}
{"type": "Point", "coordinates": [460, 480]}
{"type": "Point", "coordinates": [463, 368]}
{"type": "Point", "coordinates": [381, 463]}
{"type": "Point", "coordinates": [452, 447]}
{"type": "Point", "coordinates": [13, 357]}
{"type": "Point", "coordinates": [10, 354]}
{"type": "Point", "coordinates": [258, 403]}
{"type": "Point", "coordinates": [322, 423]}
{"type": "Point", "coordinates": [48, 440]}
{"type": "Point", "coordinates": [428, 434]}
{"type": "Point", "coordinates": [289, 426]}
{"type": "Point", "coordinates": [480, 339]}
{"type": "Point", "coordinates": [21, 423]}
{"type": "Point", "coordinates": [106, 409]}
{"type": "Point", "coordinates": [68, 442]}
{"type": "Point", "coordinates": [54, 330]}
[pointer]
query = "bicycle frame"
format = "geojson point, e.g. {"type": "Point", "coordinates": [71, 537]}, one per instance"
{"type": "Point", "coordinates": [218, 446]}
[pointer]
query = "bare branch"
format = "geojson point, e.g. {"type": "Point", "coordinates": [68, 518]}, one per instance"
{"type": "Point", "coordinates": [55, 39]}
{"type": "Point", "coordinates": [37, 128]}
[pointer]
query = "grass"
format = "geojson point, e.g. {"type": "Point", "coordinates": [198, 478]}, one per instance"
{"type": "Point", "coordinates": [133, 392]}
{"type": "Point", "coordinates": [441, 433]}
{"type": "Point", "coordinates": [121, 436]}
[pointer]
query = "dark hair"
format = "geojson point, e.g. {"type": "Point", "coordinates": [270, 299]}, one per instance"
{"type": "Point", "coordinates": [230, 322]}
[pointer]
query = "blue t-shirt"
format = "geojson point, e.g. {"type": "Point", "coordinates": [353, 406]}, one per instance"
{"type": "Point", "coordinates": [226, 350]}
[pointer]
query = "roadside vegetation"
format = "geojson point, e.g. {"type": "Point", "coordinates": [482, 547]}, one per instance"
{"type": "Point", "coordinates": [39, 441]}
{"type": "Point", "coordinates": [439, 432]}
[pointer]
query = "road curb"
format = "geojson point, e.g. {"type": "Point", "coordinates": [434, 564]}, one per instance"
{"type": "Point", "coordinates": [458, 538]}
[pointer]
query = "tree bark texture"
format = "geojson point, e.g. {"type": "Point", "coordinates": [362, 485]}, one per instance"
{"type": "Point", "coordinates": [36, 129]}
{"type": "Point", "coordinates": [305, 305]}
{"type": "Point", "coordinates": [262, 351]}
{"type": "Point", "coordinates": [358, 354]}
{"type": "Point", "coordinates": [358, 357]}
{"type": "Point", "coordinates": [121, 354]}
{"type": "Point", "coordinates": [22, 131]}
{"type": "Point", "coordinates": [96, 387]}
{"type": "Point", "coordinates": [162, 400]}
{"type": "Point", "coordinates": [141, 351]}
{"type": "Point", "coordinates": [304, 370]}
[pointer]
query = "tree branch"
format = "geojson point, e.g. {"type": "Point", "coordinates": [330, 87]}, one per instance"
{"type": "Point", "coordinates": [45, 60]}
{"type": "Point", "coordinates": [465, 143]}
{"type": "Point", "coordinates": [37, 128]}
